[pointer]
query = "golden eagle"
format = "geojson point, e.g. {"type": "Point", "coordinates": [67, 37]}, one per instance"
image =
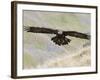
{"type": "Point", "coordinates": [60, 37]}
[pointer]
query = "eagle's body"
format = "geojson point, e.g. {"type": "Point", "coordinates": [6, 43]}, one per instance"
{"type": "Point", "coordinates": [60, 37]}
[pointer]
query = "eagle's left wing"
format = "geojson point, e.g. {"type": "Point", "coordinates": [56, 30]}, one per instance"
{"type": "Point", "coordinates": [76, 34]}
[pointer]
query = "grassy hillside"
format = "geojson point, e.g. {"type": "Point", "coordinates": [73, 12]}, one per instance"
{"type": "Point", "coordinates": [39, 49]}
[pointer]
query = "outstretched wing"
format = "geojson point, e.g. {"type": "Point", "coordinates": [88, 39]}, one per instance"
{"type": "Point", "coordinates": [76, 34]}
{"type": "Point", "coordinates": [52, 31]}
{"type": "Point", "coordinates": [40, 30]}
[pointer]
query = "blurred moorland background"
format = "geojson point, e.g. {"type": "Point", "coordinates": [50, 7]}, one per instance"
{"type": "Point", "coordinates": [41, 52]}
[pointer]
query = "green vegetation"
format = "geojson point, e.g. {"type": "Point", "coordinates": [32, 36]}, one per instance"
{"type": "Point", "coordinates": [29, 62]}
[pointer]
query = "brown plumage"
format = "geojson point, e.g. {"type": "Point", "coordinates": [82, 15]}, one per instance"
{"type": "Point", "coordinates": [60, 37]}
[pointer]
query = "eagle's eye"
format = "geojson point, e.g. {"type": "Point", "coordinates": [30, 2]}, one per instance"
{"type": "Point", "coordinates": [60, 39]}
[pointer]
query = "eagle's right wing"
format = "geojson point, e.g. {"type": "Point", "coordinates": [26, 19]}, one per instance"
{"type": "Point", "coordinates": [40, 30]}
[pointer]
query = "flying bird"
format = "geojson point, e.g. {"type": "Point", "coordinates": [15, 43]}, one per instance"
{"type": "Point", "coordinates": [61, 36]}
